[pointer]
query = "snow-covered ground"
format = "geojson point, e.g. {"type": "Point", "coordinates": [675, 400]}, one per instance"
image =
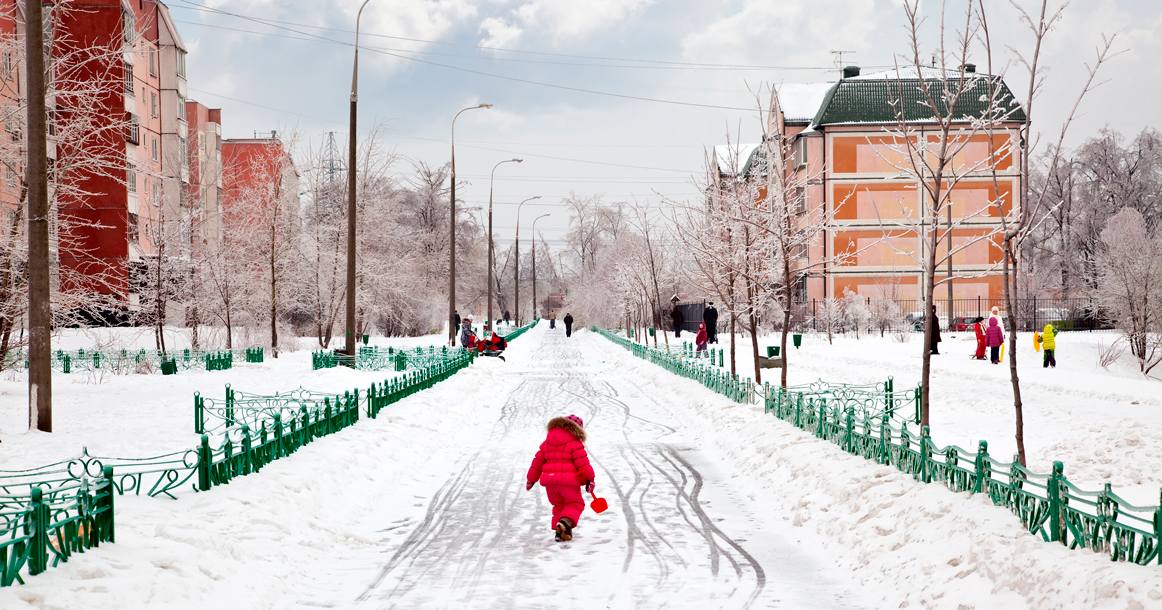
{"type": "Point", "coordinates": [712, 504]}
{"type": "Point", "coordinates": [1105, 425]}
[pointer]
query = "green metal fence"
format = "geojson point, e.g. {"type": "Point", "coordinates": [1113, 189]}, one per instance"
{"type": "Point", "coordinates": [127, 361]}
{"type": "Point", "coordinates": [1047, 504]}
{"type": "Point", "coordinates": [687, 365]}
{"type": "Point", "coordinates": [53, 511]}
{"type": "Point", "coordinates": [872, 421]}
{"type": "Point", "coordinates": [380, 358]}
{"type": "Point", "coordinates": [40, 528]}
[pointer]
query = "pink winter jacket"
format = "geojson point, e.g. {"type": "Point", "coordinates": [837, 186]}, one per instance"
{"type": "Point", "coordinates": [994, 336]}
{"type": "Point", "coordinates": [562, 459]}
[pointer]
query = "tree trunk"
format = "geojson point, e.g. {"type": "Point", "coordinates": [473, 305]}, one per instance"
{"type": "Point", "coordinates": [1010, 299]}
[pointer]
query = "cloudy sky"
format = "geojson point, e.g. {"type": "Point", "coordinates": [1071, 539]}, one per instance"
{"type": "Point", "coordinates": [611, 97]}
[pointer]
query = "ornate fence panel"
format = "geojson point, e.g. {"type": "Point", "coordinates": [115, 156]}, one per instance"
{"type": "Point", "coordinates": [42, 527]}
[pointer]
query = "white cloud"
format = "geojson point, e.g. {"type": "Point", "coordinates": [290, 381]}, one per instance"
{"type": "Point", "coordinates": [789, 30]}
{"type": "Point", "coordinates": [500, 33]}
{"type": "Point", "coordinates": [567, 20]}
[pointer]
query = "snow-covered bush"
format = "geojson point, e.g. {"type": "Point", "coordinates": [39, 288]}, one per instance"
{"type": "Point", "coordinates": [1130, 283]}
{"type": "Point", "coordinates": [856, 313]}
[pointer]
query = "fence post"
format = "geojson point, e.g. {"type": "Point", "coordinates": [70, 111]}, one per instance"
{"type": "Point", "coordinates": [848, 443]}
{"type": "Point", "coordinates": [205, 458]}
{"type": "Point", "coordinates": [1054, 494]}
{"type": "Point", "coordinates": [38, 554]}
{"type": "Point", "coordinates": [1158, 525]}
{"type": "Point", "coordinates": [229, 406]}
{"type": "Point", "coordinates": [885, 441]}
{"type": "Point", "coordinates": [106, 520]}
{"type": "Point", "coordinates": [199, 419]}
{"type": "Point", "coordinates": [982, 454]}
{"type": "Point", "coordinates": [244, 454]}
{"type": "Point", "coordinates": [925, 453]}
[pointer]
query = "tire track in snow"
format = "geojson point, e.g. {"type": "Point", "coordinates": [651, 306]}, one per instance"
{"type": "Point", "coordinates": [485, 542]}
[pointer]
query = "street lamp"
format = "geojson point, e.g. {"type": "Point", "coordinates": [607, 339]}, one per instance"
{"type": "Point", "coordinates": [351, 245]}
{"type": "Point", "coordinates": [517, 295]}
{"type": "Point", "coordinates": [488, 322]}
{"type": "Point", "coordinates": [535, 263]}
{"type": "Point", "coordinates": [452, 236]}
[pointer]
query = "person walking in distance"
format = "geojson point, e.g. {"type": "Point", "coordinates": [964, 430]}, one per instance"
{"type": "Point", "coordinates": [678, 319]}
{"type": "Point", "coordinates": [456, 325]}
{"type": "Point", "coordinates": [568, 324]}
{"type": "Point", "coordinates": [700, 340]}
{"type": "Point", "coordinates": [995, 338]}
{"type": "Point", "coordinates": [935, 345]}
{"type": "Point", "coordinates": [552, 319]}
{"type": "Point", "coordinates": [980, 341]}
{"type": "Point", "coordinates": [710, 317]}
{"type": "Point", "coordinates": [507, 318]}
{"type": "Point", "coordinates": [562, 466]}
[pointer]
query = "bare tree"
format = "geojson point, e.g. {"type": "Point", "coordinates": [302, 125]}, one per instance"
{"type": "Point", "coordinates": [1130, 283]}
{"type": "Point", "coordinates": [1019, 226]}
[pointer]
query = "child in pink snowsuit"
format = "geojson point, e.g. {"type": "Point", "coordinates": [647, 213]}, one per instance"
{"type": "Point", "coordinates": [562, 467]}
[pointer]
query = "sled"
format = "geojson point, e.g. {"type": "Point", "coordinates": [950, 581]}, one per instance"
{"type": "Point", "coordinates": [1002, 353]}
{"type": "Point", "coordinates": [599, 505]}
{"type": "Point", "coordinates": [1036, 342]}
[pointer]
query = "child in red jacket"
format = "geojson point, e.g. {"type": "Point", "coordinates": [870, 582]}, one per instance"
{"type": "Point", "coordinates": [562, 467]}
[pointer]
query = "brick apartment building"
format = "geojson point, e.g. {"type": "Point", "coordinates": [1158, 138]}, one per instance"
{"type": "Point", "coordinates": [846, 159]}
{"type": "Point", "coordinates": [158, 174]}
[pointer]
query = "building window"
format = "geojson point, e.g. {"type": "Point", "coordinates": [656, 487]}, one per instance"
{"type": "Point", "coordinates": [131, 178]}
{"type": "Point", "coordinates": [181, 63]}
{"type": "Point", "coordinates": [183, 151]}
{"type": "Point", "coordinates": [153, 148]}
{"type": "Point", "coordinates": [153, 62]}
{"type": "Point", "coordinates": [800, 200]}
{"type": "Point", "coordinates": [800, 293]}
{"type": "Point", "coordinates": [129, 25]}
{"type": "Point", "coordinates": [181, 108]}
{"type": "Point", "coordinates": [129, 78]}
{"type": "Point", "coordinates": [132, 226]}
{"type": "Point", "coordinates": [799, 153]}
{"type": "Point", "coordinates": [152, 104]}
{"type": "Point", "coordinates": [133, 129]}
{"type": "Point", "coordinates": [6, 65]}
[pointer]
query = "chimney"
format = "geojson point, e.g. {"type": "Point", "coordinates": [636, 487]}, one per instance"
{"type": "Point", "coordinates": [851, 71]}
{"type": "Point", "coordinates": [970, 68]}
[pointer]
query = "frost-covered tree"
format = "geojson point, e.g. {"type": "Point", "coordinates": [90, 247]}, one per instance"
{"type": "Point", "coordinates": [1130, 283]}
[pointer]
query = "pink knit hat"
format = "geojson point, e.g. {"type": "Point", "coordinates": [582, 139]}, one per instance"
{"type": "Point", "coordinates": [576, 420]}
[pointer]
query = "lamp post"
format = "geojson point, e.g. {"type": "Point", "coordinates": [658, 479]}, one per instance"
{"type": "Point", "coordinates": [351, 245]}
{"type": "Point", "coordinates": [535, 263]}
{"type": "Point", "coordinates": [452, 236]}
{"type": "Point", "coordinates": [517, 291]}
{"type": "Point", "coordinates": [488, 322]}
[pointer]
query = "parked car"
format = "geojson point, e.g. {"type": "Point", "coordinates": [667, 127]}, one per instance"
{"type": "Point", "coordinates": [964, 324]}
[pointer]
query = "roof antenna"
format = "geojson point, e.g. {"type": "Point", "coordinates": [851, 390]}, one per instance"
{"type": "Point", "coordinates": [839, 59]}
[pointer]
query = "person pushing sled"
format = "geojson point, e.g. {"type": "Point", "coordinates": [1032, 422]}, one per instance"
{"type": "Point", "coordinates": [562, 467]}
{"type": "Point", "coordinates": [493, 346]}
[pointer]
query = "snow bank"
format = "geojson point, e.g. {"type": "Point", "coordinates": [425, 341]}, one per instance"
{"type": "Point", "coordinates": [911, 544]}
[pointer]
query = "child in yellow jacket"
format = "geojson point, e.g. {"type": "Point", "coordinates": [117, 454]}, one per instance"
{"type": "Point", "coordinates": [1048, 341]}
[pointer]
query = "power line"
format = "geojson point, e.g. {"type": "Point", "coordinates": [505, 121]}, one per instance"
{"type": "Point", "coordinates": [273, 22]}
{"type": "Point", "coordinates": [488, 74]}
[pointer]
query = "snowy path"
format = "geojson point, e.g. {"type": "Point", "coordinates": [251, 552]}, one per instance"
{"type": "Point", "coordinates": [675, 536]}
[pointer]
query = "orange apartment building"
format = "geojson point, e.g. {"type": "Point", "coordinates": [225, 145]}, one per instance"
{"type": "Point", "coordinates": [844, 154]}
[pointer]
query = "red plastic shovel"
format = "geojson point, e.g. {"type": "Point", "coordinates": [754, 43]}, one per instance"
{"type": "Point", "coordinates": [598, 504]}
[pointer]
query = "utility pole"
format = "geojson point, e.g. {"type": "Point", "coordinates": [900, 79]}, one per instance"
{"type": "Point", "coordinates": [488, 326]}
{"type": "Point", "coordinates": [517, 266]}
{"type": "Point", "coordinates": [39, 303]}
{"type": "Point", "coordinates": [351, 245]}
{"type": "Point", "coordinates": [452, 236]}
{"type": "Point", "coordinates": [535, 263]}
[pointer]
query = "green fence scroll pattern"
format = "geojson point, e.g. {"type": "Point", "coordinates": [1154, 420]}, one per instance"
{"type": "Point", "coordinates": [44, 528]}
{"type": "Point", "coordinates": [1048, 505]}
{"type": "Point", "coordinates": [702, 370]}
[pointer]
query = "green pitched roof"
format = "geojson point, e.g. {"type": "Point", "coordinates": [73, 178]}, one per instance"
{"type": "Point", "coordinates": [877, 100]}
